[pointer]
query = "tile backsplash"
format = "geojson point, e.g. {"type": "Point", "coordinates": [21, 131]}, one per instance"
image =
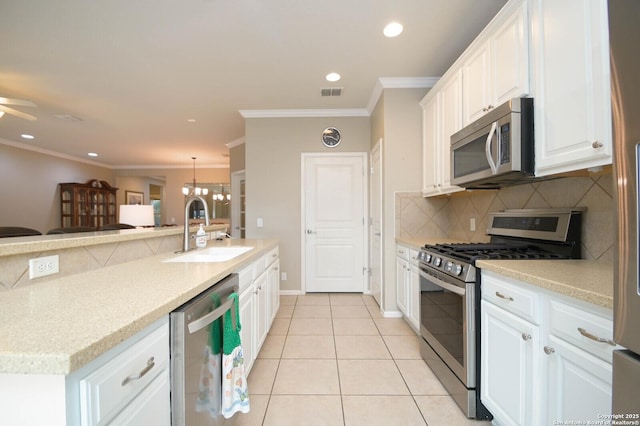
{"type": "Point", "coordinates": [449, 216]}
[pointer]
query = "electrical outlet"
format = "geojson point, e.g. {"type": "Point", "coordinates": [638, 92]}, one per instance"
{"type": "Point", "coordinates": [43, 266]}
{"type": "Point", "coordinates": [283, 276]}
{"type": "Point", "coordinates": [260, 222]}
{"type": "Point", "coordinates": [472, 224]}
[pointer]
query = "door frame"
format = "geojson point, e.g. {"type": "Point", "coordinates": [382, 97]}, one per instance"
{"type": "Point", "coordinates": [366, 289]}
{"type": "Point", "coordinates": [377, 148]}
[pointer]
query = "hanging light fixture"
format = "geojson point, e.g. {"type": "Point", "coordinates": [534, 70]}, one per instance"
{"type": "Point", "coordinates": [195, 190]}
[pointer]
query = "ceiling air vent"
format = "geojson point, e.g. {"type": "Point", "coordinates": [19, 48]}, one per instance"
{"type": "Point", "coordinates": [331, 91]}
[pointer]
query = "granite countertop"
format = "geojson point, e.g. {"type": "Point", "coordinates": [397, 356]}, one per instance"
{"type": "Point", "coordinates": [58, 326]}
{"type": "Point", "coordinates": [585, 280]}
{"type": "Point", "coordinates": [40, 243]}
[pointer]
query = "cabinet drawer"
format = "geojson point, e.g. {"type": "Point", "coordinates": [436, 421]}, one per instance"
{"type": "Point", "coordinates": [582, 329]}
{"type": "Point", "coordinates": [518, 300]}
{"type": "Point", "coordinates": [272, 256]}
{"type": "Point", "coordinates": [104, 392]}
{"type": "Point", "coordinates": [246, 277]}
{"type": "Point", "coordinates": [413, 256]}
{"type": "Point", "coordinates": [403, 252]}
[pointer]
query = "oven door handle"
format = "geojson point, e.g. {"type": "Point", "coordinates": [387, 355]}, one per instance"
{"type": "Point", "coordinates": [451, 287]}
{"type": "Point", "coordinates": [487, 148]}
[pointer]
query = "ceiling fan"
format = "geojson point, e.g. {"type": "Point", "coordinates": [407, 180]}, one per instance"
{"type": "Point", "coordinates": [20, 102]}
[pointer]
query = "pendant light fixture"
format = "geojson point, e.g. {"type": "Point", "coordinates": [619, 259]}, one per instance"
{"type": "Point", "coordinates": [195, 190]}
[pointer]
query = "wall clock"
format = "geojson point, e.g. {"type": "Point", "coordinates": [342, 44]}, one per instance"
{"type": "Point", "coordinates": [330, 137]}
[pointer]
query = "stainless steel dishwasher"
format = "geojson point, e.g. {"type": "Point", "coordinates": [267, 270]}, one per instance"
{"type": "Point", "coordinates": [196, 356]}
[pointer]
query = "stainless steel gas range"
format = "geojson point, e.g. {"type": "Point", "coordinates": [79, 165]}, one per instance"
{"type": "Point", "coordinates": [450, 291]}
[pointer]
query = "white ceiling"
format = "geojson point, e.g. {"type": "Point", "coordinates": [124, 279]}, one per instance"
{"type": "Point", "coordinates": [134, 71]}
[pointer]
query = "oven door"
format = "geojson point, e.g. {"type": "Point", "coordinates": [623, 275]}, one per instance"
{"type": "Point", "coordinates": [447, 323]}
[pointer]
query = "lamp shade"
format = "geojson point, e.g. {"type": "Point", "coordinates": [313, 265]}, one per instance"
{"type": "Point", "coordinates": [136, 214]}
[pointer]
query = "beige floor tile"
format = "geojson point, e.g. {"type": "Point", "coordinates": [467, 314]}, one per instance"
{"type": "Point", "coordinates": [443, 411]}
{"type": "Point", "coordinates": [374, 311]}
{"type": "Point", "coordinates": [313, 299]}
{"type": "Point", "coordinates": [287, 300]}
{"type": "Point", "coordinates": [255, 416]}
{"type": "Point", "coordinates": [280, 326]}
{"type": "Point", "coordinates": [394, 327]}
{"type": "Point", "coordinates": [346, 299]}
{"type": "Point", "coordinates": [381, 411]}
{"type": "Point", "coordinates": [309, 347]}
{"type": "Point", "coordinates": [350, 312]}
{"type": "Point", "coordinates": [370, 301]}
{"type": "Point", "coordinates": [312, 311]}
{"type": "Point", "coordinates": [361, 347]}
{"type": "Point", "coordinates": [262, 376]}
{"type": "Point", "coordinates": [355, 327]}
{"type": "Point", "coordinates": [285, 311]}
{"type": "Point", "coordinates": [272, 346]}
{"type": "Point", "coordinates": [370, 377]}
{"type": "Point", "coordinates": [420, 378]}
{"type": "Point", "coordinates": [303, 410]}
{"type": "Point", "coordinates": [307, 377]}
{"type": "Point", "coordinates": [311, 326]}
{"type": "Point", "coordinates": [403, 347]}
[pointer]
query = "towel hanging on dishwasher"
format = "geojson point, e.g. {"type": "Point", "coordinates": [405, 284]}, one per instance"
{"type": "Point", "coordinates": [235, 394]}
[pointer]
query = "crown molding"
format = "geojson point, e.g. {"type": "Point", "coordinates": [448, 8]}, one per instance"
{"type": "Point", "coordinates": [235, 143]}
{"type": "Point", "coordinates": [51, 153]}
{"type": "Point", "coordinates": [398, 83]}
{"type": "Point", "coordinates": [300, 113]}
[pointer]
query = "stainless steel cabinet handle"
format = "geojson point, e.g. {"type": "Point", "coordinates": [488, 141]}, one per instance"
{"type": "Point", "coordinates": [309, 231]}
{"type": "Point", "coordinates": [150, 364]}
{"type": "Point", "coordinates": [549, 350]}
{"type": "Point", "coordinates": [596, 145]}
{"type": "Point", "coordinates": [526, 337]}
{"type": "Point", "coordinates": [502, 296]}
{"type": "Point", "coordinates": [595, 338]}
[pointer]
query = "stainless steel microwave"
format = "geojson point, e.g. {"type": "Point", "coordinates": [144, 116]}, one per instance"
{"type": "Point", "coordinates": [497, 149]}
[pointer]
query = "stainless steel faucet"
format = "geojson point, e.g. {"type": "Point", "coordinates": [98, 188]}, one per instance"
{"type": "Point", "coordinates": [187, 204]}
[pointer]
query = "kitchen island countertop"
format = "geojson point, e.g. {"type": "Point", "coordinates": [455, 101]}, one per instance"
{"type": "Point", "coordinates": [58, 326]}
{"type": "Point", "coordinates": [585, 280]}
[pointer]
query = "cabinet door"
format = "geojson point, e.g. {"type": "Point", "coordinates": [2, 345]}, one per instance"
{"type": "Point", "coordinates": [151, 407]}
{"type": "Point", "coordinates": [414, 297]}
{"type": "Point", "coordinates": [402, 267]}
{"type": "Point", "coordinates": [450, 116]}
{"type": "Point", "coordinates": [510, 58]}
{"type": "Point", "coordinates": [475, 77]}
{"type": "Point", "coordinates": [508, 366]}
{"type": "Point", "coordinates": [260, 310]}
{"type": "Point", "coordinates": [430, 157]}
{"type": "Point", "coordinates": [579, 384]}
{"type": "Point", "coordinates": [245, 303]}
{"type": "Point", "coordinates": [274, 290]}
{"type": "Point", "coordinates": [572, 105]}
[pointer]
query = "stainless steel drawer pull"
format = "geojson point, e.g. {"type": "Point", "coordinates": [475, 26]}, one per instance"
{"type": "Point", "coordinates": [526, 336]}
{"type": "Point", "coordinates": [588, 335]}
{"type": "Point", "coordinates": [502, 296]}
{"type": "Point", "coordinates": [150, 364]}
{"type": "Point", "coordinates": [549, 350]}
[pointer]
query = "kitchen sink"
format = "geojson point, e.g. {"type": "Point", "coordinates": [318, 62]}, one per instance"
{"type": "Point", "coordinates": [211, 254]}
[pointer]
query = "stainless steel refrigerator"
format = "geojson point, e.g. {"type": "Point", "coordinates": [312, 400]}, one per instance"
{"type": "Point", "coordinates": [624, 40]}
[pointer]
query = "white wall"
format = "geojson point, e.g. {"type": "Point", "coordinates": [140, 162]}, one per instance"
{"type": "Point", "coordinates": [273, 177]}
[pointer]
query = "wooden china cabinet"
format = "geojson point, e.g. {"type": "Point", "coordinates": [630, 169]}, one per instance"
{"type": "Point", "coordinates": [91, 204]}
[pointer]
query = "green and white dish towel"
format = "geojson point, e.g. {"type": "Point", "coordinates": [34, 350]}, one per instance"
{"type": "Point", "coordinates": [235, 394]}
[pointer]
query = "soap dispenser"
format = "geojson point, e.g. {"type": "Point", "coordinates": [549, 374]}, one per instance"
{"type": "Point", "coordinates": [201, 239]}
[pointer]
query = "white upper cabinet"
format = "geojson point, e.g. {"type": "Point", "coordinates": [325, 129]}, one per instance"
{"type": "Point", "coordinates": [442, 117]}
{"type": "Point", "coordinates": [496, 69]}
{"type": "Point", "coordinates": [572, 106]}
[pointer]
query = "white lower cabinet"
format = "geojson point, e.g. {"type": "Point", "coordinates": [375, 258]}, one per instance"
{"type": "Point", "coordinates": [408, 285]}
{"type": "Point", "coordinates": [545, 357]}
{"type": "Point", "coordinates": [259, 301]}
{"type": "Point", "coordinates": [129, 384]}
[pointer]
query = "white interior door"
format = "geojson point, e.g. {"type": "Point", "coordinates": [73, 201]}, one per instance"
{"type": "Point", "coordinates": [375, 213]}
{"type": "Point", "coordinates": [334, 200]}
{"type": "Point", "coordinates": [238, 204]}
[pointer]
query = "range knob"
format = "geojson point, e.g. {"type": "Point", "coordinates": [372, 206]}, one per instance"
{"type": "Point", "coordinates": [428, 257]}
{"type": "Point", "coordinates": [448, 266]}
{"type": "Point", "coordinates": [437, 261]}
{"type": "Point", "coordinates": [457, 269]}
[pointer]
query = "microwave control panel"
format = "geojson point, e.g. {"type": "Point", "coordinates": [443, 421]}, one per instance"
{"type": "Point", "coordinates": [505, 143]}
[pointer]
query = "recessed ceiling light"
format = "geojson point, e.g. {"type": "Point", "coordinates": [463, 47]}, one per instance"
{"type": "Point", "coordinates": [191, 120]}
{"type": "Point", "coordinates": [334, 76]}
{"type": "Point", "coordinates": [92, 154]}
{"type": "Point", "coordinates": [392, 29]}
{"type": "Point", "coordinates": [26, 136]}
